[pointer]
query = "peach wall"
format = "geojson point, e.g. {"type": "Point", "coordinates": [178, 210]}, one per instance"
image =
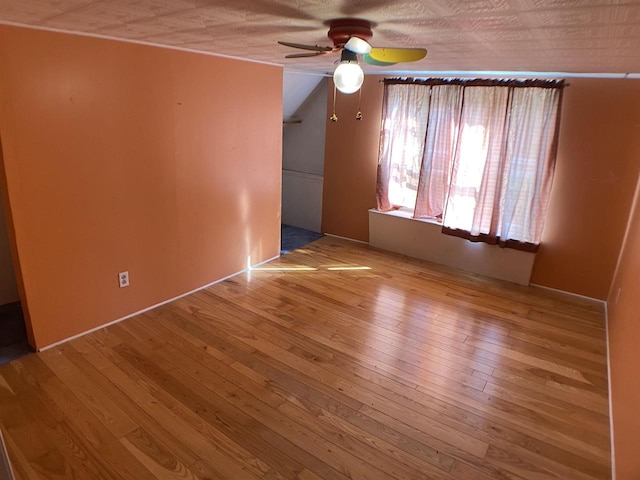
{"type": "Point", "coordinates": [624, 354]}
{"type": "Point", "coordinates": [592, 190]}
{"type": "Point", "coordinates": [128, 157]}
{"type": "Point", "coordinates": [351, 156]}
{"type": "Point", "coordinates": [593, 186]}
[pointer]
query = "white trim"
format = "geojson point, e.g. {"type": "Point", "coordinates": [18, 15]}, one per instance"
{"type": "Point", "coordinates": [346, 238]}
{"type": "Point", "coordinates": [104, 325]}
{"type": "Point", "coordinates": [6, 471]}
{"type": "Point", "coordinates": [570, 293]}
{"type": "Point", "coordinates": [613, 450]}
{"type": "Point", "coordinates": [137, 42]}
{"type": "Point", "coordinates": [324, 73]}
{"type": "Point", "coordinates": [510, 74]}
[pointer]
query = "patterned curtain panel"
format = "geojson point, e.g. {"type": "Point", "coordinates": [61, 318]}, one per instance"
{"type": "Point", "coordinates": [476, 155]}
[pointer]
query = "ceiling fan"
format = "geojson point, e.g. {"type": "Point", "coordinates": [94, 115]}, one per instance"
{"type": "Point", "coordinates": [351, 37]}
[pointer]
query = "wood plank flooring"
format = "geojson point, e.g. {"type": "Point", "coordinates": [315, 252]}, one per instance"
{"type": "Point", "coordinates": [336, 361]}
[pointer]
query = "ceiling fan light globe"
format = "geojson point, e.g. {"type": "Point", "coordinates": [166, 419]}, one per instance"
{"type": "Point", "coordinates": [348, 77]}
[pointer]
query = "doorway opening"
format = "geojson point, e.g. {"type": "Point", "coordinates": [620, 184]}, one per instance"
{"type": "Point", "coordinates": [303, 139]}
{"type": "Point", "coordinates": [13, 332]}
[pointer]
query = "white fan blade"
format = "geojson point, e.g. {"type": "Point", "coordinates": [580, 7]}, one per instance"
{"type": "Point", "coordinates": [358, 45]}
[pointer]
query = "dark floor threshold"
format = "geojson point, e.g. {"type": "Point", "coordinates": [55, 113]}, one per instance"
{"type": "Point", "coordinates": [13, 334]}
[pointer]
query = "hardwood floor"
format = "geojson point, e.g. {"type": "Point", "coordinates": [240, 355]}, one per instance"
{"type": "Point", "coordinates": [335, 361]}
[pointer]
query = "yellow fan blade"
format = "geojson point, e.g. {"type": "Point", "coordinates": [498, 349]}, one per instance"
{"type": "Point", "coordinates": [367, 59]}
{"type": "Point", "coordinates": [398, 55]}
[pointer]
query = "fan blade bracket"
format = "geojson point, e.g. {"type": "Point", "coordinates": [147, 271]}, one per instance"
{"type": "Point", "coordinates": [397, 55]}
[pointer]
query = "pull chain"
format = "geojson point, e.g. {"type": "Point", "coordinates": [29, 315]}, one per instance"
{"type": "Point", "coordinates": [359, 114]}
{"type": "Point", "coordinates": [334, 117]}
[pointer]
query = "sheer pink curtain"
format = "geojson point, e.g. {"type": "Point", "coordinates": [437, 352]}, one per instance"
{"type": "Point", "coordinates": [503, 166]}
{"type": "Point", "coordinates": [437, 162]}
{"type": "Point", "coordinates": [530, 162]}
{"type": "Point", "coordinates": [404, 128]}
{"type": "Point", "coordinates": [476, 154]}
{"type": "Point", "coordinates": [475, 180]}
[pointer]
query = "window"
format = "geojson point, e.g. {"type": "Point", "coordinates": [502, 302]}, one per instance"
{"type": "Point", "coordinates": [476, 155]}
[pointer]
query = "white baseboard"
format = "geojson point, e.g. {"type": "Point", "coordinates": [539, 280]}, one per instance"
{"type": "Point", "coordinates": [577, 295]}
{"type": "Point", "coordinates": [613, 450]}
{"type": "Point", "coordinates": [6, 473]}
{"type": "Point", "coordinates": [47, 347]}
{"type": "Point", "coordinates": [346, 238]}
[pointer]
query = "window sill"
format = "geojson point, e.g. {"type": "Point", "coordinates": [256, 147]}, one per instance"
{"type": "Point", "coordinates": [408, 214]}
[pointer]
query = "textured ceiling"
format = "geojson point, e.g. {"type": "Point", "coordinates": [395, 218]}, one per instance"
{"type": "Point", "coordinates": [579, 36]}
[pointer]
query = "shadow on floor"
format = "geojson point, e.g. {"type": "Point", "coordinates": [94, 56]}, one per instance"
{"type": "Point", "coordinates": [13, 335]}
{"type": "Point", "coordinates": [294, 237]}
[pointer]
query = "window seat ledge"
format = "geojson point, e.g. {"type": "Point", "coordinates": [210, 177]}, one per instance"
{"type": "Point", "coordinates": [397, 231]}
{"type": "Point", "coordinates": [408, 214]}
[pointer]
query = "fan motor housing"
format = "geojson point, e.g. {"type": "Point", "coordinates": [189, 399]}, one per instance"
{"type": "Point", "coordinates": [342, 29]}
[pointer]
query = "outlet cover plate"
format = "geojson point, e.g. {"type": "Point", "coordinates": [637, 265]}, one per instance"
{"type": "Point", "coordinates": [123, 279]}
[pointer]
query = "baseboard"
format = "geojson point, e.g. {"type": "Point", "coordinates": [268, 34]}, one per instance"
{"type": "Point", "coordinates": [577, 295]}
{"type": "Point", "coordinates": [104, 325]}
{"type": "Point", "coordinates": [346, 238]}
{"type": "Point", "coordinates": [613, 451]}
{"type": "Point", "coordinates": [6, 473]}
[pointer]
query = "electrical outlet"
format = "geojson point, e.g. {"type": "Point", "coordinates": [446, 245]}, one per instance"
{"type": "Point", "coordinates": [123, 279]}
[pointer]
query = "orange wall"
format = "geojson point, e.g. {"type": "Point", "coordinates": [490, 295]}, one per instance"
{"type": "Point", "coordinates": [128, 157]}
{"type": "Point", "coordinates": [592, 191]}
{"type": "Point", "coordinates": [624, 354]}
{"type": "Point", "coordinates": [350, 162]}
{"type": "Point", "coordinates": [593, 186]}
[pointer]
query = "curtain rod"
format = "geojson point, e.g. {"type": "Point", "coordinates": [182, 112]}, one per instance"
{"type": "Point", "coordinates": [476, 82]}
